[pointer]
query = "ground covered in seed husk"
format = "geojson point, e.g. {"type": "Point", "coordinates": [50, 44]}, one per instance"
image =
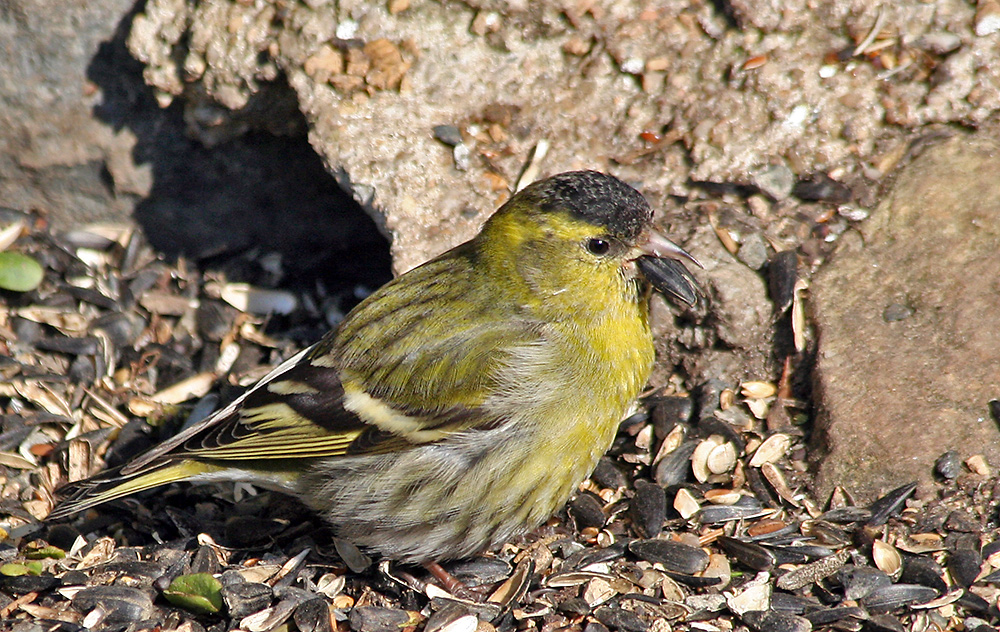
{"type": "Point", "coordinates": [699, 518]}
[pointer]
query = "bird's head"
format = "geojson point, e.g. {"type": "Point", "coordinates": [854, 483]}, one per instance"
{"type": "Point", "coordinates": [584, 230]}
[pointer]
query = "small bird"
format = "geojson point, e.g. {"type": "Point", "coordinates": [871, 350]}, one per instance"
{"type": "Point", "coordinates": [462, 403]}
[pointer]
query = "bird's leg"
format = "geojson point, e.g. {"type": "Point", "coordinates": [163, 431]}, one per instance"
{"type": "Point", "coordinates": [451, 583]}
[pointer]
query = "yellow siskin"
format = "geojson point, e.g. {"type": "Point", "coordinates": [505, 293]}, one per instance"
{"type": "Point", "coordinates": [462, 403]}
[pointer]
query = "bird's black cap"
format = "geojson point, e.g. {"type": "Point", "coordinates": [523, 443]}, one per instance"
{"type": "Point", "coordinates": [595, 197]}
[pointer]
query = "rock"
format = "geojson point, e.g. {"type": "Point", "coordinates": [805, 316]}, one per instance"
{"type": "Point", "coordinates": [596, 86]}
{"type": "Point", "coordinates": [894, 393]}
{"type": "Point", "coordinates": [55, 153]}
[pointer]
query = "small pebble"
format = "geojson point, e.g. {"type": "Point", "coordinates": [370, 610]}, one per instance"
{"type": "Point", "coordinates": [775, 181]}
{"type": "Point", "coordinates": [896, 312]}
{"type": "Point", "coordinates": [949, 465]}
{"type": "Point", "coordinates": [448, 134]}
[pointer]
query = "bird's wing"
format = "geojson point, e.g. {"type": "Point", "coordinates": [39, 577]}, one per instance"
{"type": "Point", "coordinates": [303, 409]}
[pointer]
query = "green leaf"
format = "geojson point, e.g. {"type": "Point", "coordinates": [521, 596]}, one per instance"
{"type": "Point", "coordinates": [18, 272]}
{"type": "Point", "coordinates": [198, 592]}
{"type": "Point", "coordinates": [13, 570]}
{"type": "Point", "coordinates": [43, 552]}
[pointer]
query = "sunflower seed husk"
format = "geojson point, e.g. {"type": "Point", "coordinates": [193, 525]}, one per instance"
{"type": "Point", "coordinates": [685, 503]}
{"type": "Point", "coordinates": [24, 584]}
{"type": "Point", "coordinates": [887, 558]}
{"type": "Point", "coordinates": [747, 507]}
{"type": "Point", "coordinates": [758, 389]}
{"type": "Point", "coordinates": [694, 581]}
{"type": "Point", "coordinates": [847, 515]}
{"type": "Point", "coordinates": [574, 578]}
{"type": "Point", "coordinates": [479, 571]}
{"type": "Point", "coordinates": [944, 600]}
{"type": "Point", "coordinates": [718, 566]}
{"type": "Point", "coordinates": [699, 459]}
{"type": "Point", "coordinates": [799, 553]}
{"type": "Point", "coordinates": [705, 603]}
{"type": "Point", "coordinates": [776, 478]}
{"type": "Point", "coordinates": [721, 459]}
{"type": "Point", "coordinates": [598, 591]}
{"type": "Point", "coordinates": [574, 606]}
{"type": "Point", "coordinates": [782, 269]}
{"type": "Point", "coordinates": [992, 578]}
{"type": "Point", "coordinates": [451, 613]}
{"type": "Point", "coordinates": [257, 300]}
{"type": "Point", "coordinates": [949, 465]}
{"type": "Point", "coordinates": [825, 533]}
{"type": "Point", "coordinates": [756, 595]}
{"type": "Point", "coordinates": [771, 450]}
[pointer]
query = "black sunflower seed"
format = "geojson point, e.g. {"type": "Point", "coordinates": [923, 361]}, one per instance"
{"type": "Point", "coordinates": [964, 566]}
{"type": "Point", "coordinates": [122, 604]}
{"type": "Point", "coordinates": [675, 467]}
{"type": "Point", "coordinates": [771, 621]}
{"type": "Point", "coordinates": [884, 623]}
{"type": "Point", "coordinates": [377, 619]}
{"type": "Point", "coordinates": [923, 571]}
{"type": "Point", "coordinates": [972, 601]}
{"type": "Point", "coordinates": [793, 604]}
{"type": "Point", "coordinates": [861, 581]}
{"type": "Point", "coordinates": [674, 556]}
{"type": "Point", "coordinates": [246, 598]}
{"type": "Point", "coordinates": [845, 515]}
{"type": "Point", "coordinates": [890, 504]}
{"type": "Point", "coordinates": [826, 616]}
{"type": "Point", "coordinates": [618, 619]}
{"type": "Point", "coordinates": [888, 598]}
{"type": "Point", "coordinates": [749, 554]}
{"type": "Point", "coordinates": [649, 508]}
{"type": "Point", "coordinates": [24, 584]}
{"type": "Point", "coordinates": [312, 615]}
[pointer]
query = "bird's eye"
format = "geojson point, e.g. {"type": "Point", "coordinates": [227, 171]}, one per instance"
{"type": "Point", "coordinates": [598, 246]}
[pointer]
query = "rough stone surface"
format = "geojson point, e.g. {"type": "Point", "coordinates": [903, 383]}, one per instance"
{"type": "Point", "coordinates": [54, 154]}
{"type": "Point", "coordinates": [894, 394]}
{"type": "Point", "coordinates": [664, 96]}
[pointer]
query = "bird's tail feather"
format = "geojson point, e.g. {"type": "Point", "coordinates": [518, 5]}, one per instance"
{"type": "Point", "coordinates": [111, 484]}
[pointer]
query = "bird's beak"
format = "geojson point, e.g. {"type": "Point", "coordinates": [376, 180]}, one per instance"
{"type": "Point", "coordinates": [659, 262]}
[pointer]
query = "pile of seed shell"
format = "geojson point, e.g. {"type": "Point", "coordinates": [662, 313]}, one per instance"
{"type": "Point", "coordinates": [699, 518]}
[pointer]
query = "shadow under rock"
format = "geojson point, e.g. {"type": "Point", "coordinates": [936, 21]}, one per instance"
{"type": "Point", "coordinates": [257, 195]}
